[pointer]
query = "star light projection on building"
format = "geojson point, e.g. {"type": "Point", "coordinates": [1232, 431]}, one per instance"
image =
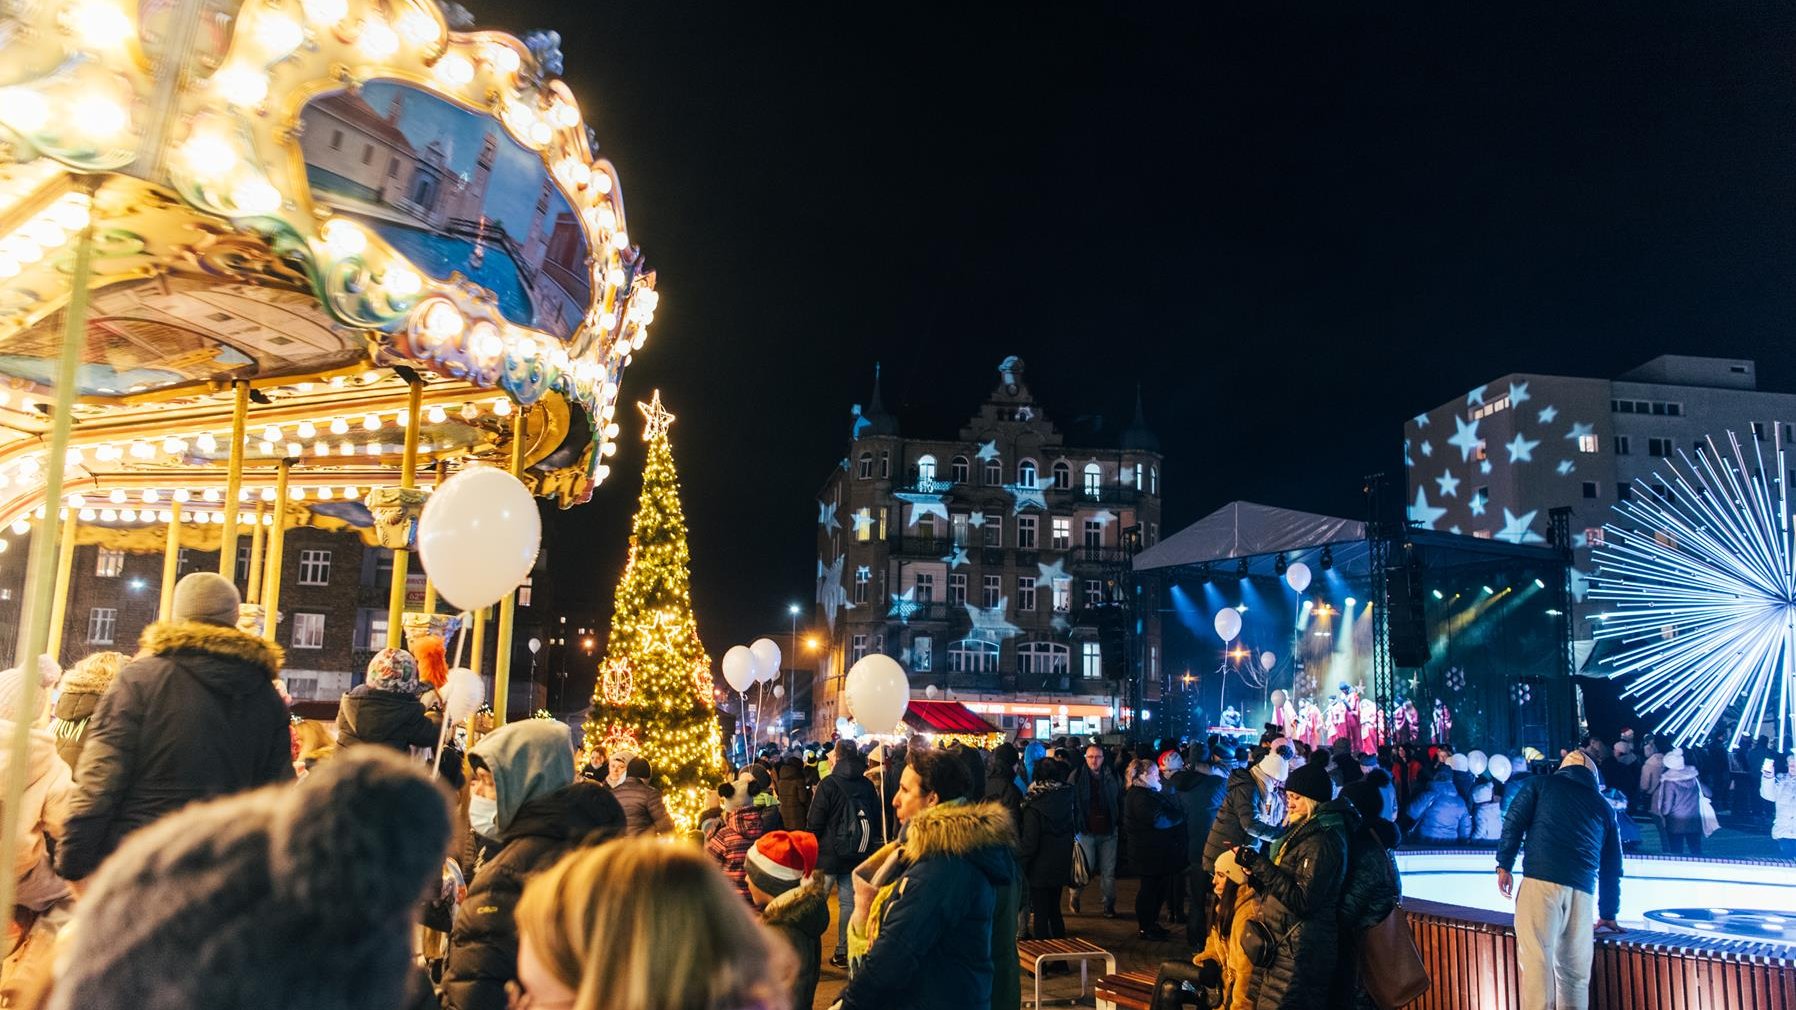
{"type": "Point", "coordinates": [1698, 571]}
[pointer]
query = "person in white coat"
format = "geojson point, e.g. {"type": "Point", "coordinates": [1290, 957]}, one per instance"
{"type": "Point", "coordinates": [1780, 790]}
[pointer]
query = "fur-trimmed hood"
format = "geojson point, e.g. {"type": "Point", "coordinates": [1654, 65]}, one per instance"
{"type": "Point", "coordinates": [959, 829]}
{"type": "Point", "coordinates": [169, 638]}
{"type": "Point", "coordinates": [79, 681]}
{"type": "Point", "coordinates": [805, 908]}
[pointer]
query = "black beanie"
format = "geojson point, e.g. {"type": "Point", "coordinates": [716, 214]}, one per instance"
{"type": "Point", "coordinates": [1312, 781]}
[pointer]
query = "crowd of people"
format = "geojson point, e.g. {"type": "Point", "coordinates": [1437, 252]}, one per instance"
{"type": "Point", "coordinates": [166, 857]}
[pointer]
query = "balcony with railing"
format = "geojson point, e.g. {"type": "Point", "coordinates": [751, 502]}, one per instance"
{"type": "Point", "coordinates": [920, 547]}
{"type": "Point", "coordinates": [1103, 494]}
{"type": "Point", "coordinates": [1085, 557]}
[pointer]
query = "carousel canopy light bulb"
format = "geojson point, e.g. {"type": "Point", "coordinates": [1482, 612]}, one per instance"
{"type": "Point", "coordinates": [308, 430]}
{"type": "Point", "coordinates": [211, 494]}
{"type": "Point", "coordinates": [99, 24]}
{"type": "Point", "coordinates": [244, 87]}
{"type": "Point", "coordinates": [128, 515]}
{"type": "Point", "coordinates": [108, 515]}
{"type": "Point", "coordinates": [372, 448]}
{"type": "Point", "coordinates": [454, 69]}
{"type": "Point", "coordinates": [165, 516]}
{"type": "Point", "coordinates": [267, 494]}
{"type": "Point", "coordinates": [325, 12]}
{"type": "Point", "coordinates": [344, 239]}
{"type": "Point", "coordinates": [418, 27]}
{"type": "Point", "coordinates": [45, 232]}
{"type": "Point", "coordinates": [489, 344]}
{"type": "Point", "coordinates": [29, 110]}
{"type": "Point", "coordinates": [563, 115]}
{"type": "Point", "coordinates": [278, 34]}
{"type": "Point", "coordinates": [346, 448]}
{"type": "Point", "coordinates": [321, 447]}
{"type": "Point", "coordinates": [378, 41]}
{"type": "Point", "coordinates": [503, 58]}
{"type": "Point", "coordinates": [256, 196]}
{"type": "Point", "coordinates": [350, 493]}
{"type": "Point", "coordinates": [436, 415]}
{"type": "Point", "coordinates": [469, 412]}
{"type": "Point", "coordinates": [75, 501]}
{"type": "Point", "coordinates": [295, 449]}
{"type": "Point", "coordinates": [615, 277]}
{"type": "Point", "coordinates": [402, 282]}
{"type": "Point", "coordinates": [268, 520]}
{"type": "Point", "coordinates": [117, 497]}
{"type": "Point", "coordinates": [183, 495]}
{"type": "Point", "coordinates": [142, 450]}
{"type": "Point", "coordinates": [72, 457]}
{"type": "Point", "coordinates": [9, 265]}
{"type": "Point", "coordinates": [601, 181]}
{"type": "Point", "coordinates": [150, 497]}
{"type": "Point", "coordinates": [21, 526]}
{"type": "Point", "coordinates": [296, 493]}
{"type": "Point", "coordinates": [443, 321]}
{"type": "Point", "coordinates": [87, 515]}
{"type": "Point", "coordinates": [40, 512]}
{"type": "Point", "coordinates": [209, 154]}
{"type": "Point", "coordinates": [324, 494]}
{"type": "Point", "coordinates": [370, 422]}
{"type": "Point", "coordinates": [272, 433]}
{"type": "Point", "coordinates": [502, 406]}
{"type": "Point", "coordinates": [4, 480]}
{"type": "Point", "coordinates": [265, 447]}
{"type": "Point", "coordinates": [339, 426]}
{"type": "Point", "coordinates": [70, 214]}
{"type": "Point", "coordinates": [99, 117]}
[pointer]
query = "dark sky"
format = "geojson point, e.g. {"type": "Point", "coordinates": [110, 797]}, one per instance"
{"type": "Point", "coordinates": [1295, 229]}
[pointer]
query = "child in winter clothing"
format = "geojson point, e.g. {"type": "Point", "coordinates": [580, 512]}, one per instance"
{"type": "Point", "coordinates": [793, 899]}
{"type": "Point", "coordinates": [49, 783]}
{"type": "Point", "coordinates": [743, 825]}
{"type": "Point", "coordinates": [385, 708]}
{"type": "Point", "coordinates": [81, 689]}
{"type": "Point", "coordinates": [1487, 814]}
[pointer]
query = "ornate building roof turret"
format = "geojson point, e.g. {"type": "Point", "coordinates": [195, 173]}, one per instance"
{"type": "Point", "coordinates": [876, 419]}
{"type": "Point", "coordinates": [1138, 435]}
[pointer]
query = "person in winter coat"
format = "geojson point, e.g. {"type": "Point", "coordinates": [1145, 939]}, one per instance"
{"type": "Point", "coordinates": [1199, 788]}
{"type": "Point", "coordinates": [1650, 770]}
{"type": "Point", "coordinates": [194, 716]}
{"type": "Point", "coordinates": [1046, 847]}
{"type": "Point", "coordinates": [1224, 971]}
{"type": "Point", "coordinates": [793, 791]}
{"type": "Point", "coordinates": [938, 917]}
{"type": "Point", "coordinates": [1151, 821]}
{"type": "Point", "coordinates": [743, 824]}
{"type": "Point", "coordinates": [1439, 813]}
{"type": "Point", "coordinates": [645, 925]}
{"type": "Point", "coordinates": [1677, 803]}
{"type": "Point", "coordinates": [1779, 790]}
{"type": "Point", "coordinates": [524, 797]}
{"type": "Point", "coordinates": [845, 817]}
{"type": "Point", "coordinates": [1487, 814]}
{"type": "Point", "coordinates": [43, 900]}
{"type": "Point", "coordinates": [286, 898]}
{"type": "Point", "coordinates": [1300, 886]}
{"type": "Point", "coordinates": [794, 901]}
{"type": "Point", "coordinates": [1000, 780]}
{"type": "Point", "coordinates": [1621, 769]}
{"type": "Point", "coordinates": [644, 810]}
{"type": "Point", "coordinates": [1097, 813]}
{"type": "Point", "coordinates": [81, 688]}
{"type": "Point", "coordinates": [1373, 887]}
{"type": "Point", "coordinates": [1253, 805]}
{"type": "Point", "coordinates": [385, 709]}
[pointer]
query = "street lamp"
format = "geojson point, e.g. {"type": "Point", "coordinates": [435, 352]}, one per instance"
{"type": "Point", "coordinates": [792, 671]}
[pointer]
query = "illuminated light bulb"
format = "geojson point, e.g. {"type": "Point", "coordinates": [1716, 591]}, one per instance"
{"type": "Point", "coordinates": [295, 449]}
{"type": "Point", "coordinates": [303, 387]}
{"type": "Point", "coordinates": [378, 41]}
{"type": "Point", "coordinates": [142, 450]}
{"type": "Point", "coordinates": [29, 110]}
{"type": "Point", "coordinates": [268, 520]}
{"type": "Point", "coordinates": [436, 415]}
{"type": "Point", "coordinates": [370, 422]}
{"type": "Point", "coordinates": [173, 446]}
{"type": "Point", "coordinates": [469, 412]}
{"type": "Point", "coordinates": [564, 115]}
{"type": "Point", "coordinates": [212, 494]}
{"type": "Point", "coordinates": [244, 87]}
{"type": "Point", "coordinates": [256, 196]}
{"type": "Point", "coordinates": [615, 277]}
{"type": "Point", "coordinates": [9, 265]}
{"type": "Point", "coordinates": [344, 239]}
{"type": "Point", "coordinates": [70, 214]}
{"type": "Point", "coordinates": [268, 494]}
{"type": "Point", "coordinates": [540, 133]}
{"type": "Point", "coordinates": [402, 282]}
{"type": "Point", "coordinates": [321, 447]}
{"type": "Point", "coordinates": [128, 515]}
{"type": "Point", "coordinates": [244, 494]}
{"type": "Point", "coordinates": [206, 443]}
{"type": "Point", "coordinates": [45, 232]}
{"type": "Point", "coordinates": [352, 493]}
{"type": "Point", "coordinates": [325, 12]}
{"type": "Point", "coordinates": [278, 34]}
{"type": "Point", "coordinates": [4, 480]}
{"type": "Point", "coordinates": [75, 501]}
{"type": "Point", "coordinates": [109, 515]}
{"type": "Point", "coordinates": [87, 515]}
{"type": "Point", "coordinates": [346, 448]}
{"type": "Point", "coordinates": [603, 471]}
{"type": "Point", "coordinates": [182, 495]}
{"type": "Point", "coordinates": [369, 377]}
{"type": "Point", "coordinates": [266, 447]}
{"type": "Point", "coordinates": [165, 516]}
{"type": "Point", "coordinates": [489, 344]}
{"type": "Point", "coordinates": [339, 426]}
{"type": "Point", "coordinates": [455, 69]}
{"type": "Point", "coordinates": [606, 219]}
{"type": "Point", "coordinates": [443, 322]}
{"type": "Point", "coordinates": [620, 239]}
{"type": "Point", "coordinates": [503, 58]}
{"type": "Point", "coordinates": [150, 497]}
{"type": "Point", "coordinates": [418, 27]}
{"type": "Point", "coordinates": [23, 249]}
{"type": "Point", "coordinates": [209, 154]}
{"type": "Point", "coordinates": [100, 25]}
{"type": "Point", "coordinates": [608, 321]}
{"type": "Point", "coordinates": [502, 406]}
{"type": "Point", "coordinates": [117, 497]}
{"type": "Point", "coordinates": [272, 433]}
{"type": "Point", "coordinates": [372, 448]}
{"type": "Point", "coordinates": [401, 420]}
{"type": "Point", "coordinates": [72, 457]}
{"type": "Point", "coordinates": [601, 181]}
{"type": "Point", "coordinates": [99, 116]}
{"type": "Point", "coordinates": [308, 430]}
{"type": "Point", "coordinates": [608, 449]}
{"type": "Point", "coordinates": [324, 494]}
{"type": "Point", "coordinates": [611, 430]}
{"type": "Point", "coordinates": [21, 526]}
{"type": "Point", "coordinates": [296, 493]}
{"type": "Point", "coordinates": [40, 512]}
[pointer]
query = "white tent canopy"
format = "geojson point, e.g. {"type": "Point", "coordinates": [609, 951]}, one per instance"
{"type": "Point", "coordinates": [1243, 529]}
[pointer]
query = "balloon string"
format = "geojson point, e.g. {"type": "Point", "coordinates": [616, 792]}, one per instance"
{"type": "Point", "coordinates": [461, 647]}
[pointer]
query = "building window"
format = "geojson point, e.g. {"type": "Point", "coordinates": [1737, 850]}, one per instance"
{"type": "Point", "coordinates": [1624, 492]}
{"type": "Point", "coordinates": [1621, 445]}
{"type": "Point", "coordinates": [1091, 661]}
{"type": "Point", "coordinates": [524, 590]}
{"type": "Point", "coordinates": [1758, 431]}
{"type": "Point", "coordinates": [1025, 594]}
{"type": "Point", "coordinates": [1658, 447]}
{"type": "Point", "coordinates": [1094, 480]}
{"type": "Point", "coordinates": [972, 655]}
{"type": "Point", "coordinates": [1094, 533]}
{"type": "Point", "coordinates": [1094, 592]}
{"type": "Point", "coordinates": [922, 654]}
{"type": "Point", "coordinates": [957, 590]}
{"type": "Point", "coordinates": [925, 587]}
{"type": "Point", "coordinates": [1063, 476]}
{"type": "Point", "coordinates": [925, 524]}
{"type": "Point", "coordinates": [863, 577]}
{"type": "Point", "coordinates": [866, 466]}
{"type": "Point", "coordinates": [1489, 407]}
{"type": "Point", "coordinates": [1063, 596]}
{"type": "Point", "coordinates": [994, 472]}
{"type": "Point", "coordinates": [102, 625]}
{"type": "Point", "coordinates": [1590, 489]}
{"type": "Point", "coordinates": [1589, 443]}
{"type": "Point", "coordinates": [336, 140]}
{"type": "Point", "coordinates": [1025, 473]}
{"type": "Point", "coordinates": [994, 531]}
{"type": "Point", "coordinates": [958, 524]}
{"type": "Point", "coordinates": [1138, 486]}
{"type": "Point", "coordinates": [377, 631]}
{"type": "Point", "coordinates": [884, 514]}
{"type": "Point", "coordinates": [1593, 536]}
{"type": "Point", "coordinates": [994, 589]}
{"type": "Point", "coordinates": [1479, 453]}
{"type": "Point", "coordinates": [858, 651]}
{"type": "Point", "coordinates": [243, 562]}
{"type": "Point", "coordinates": [308, 631]}
{"type": "Point", "coordinates": [957, 470]}
{"type": "Point", "coordinates": [1153, 480]}
{"type": "Point", "coordinates": [314, 568]}
{"type": "Point", "coordinates": [367, 154]}
{"type": "Point", "coordinates": [863, 525]}
{"type": "Point", "coordinates": [925, 469]}
{"type": "Point", "coordinates": [885, 464]}
{"type": "Point", "coordinates": [393, 168]}
{"type": "Point", "coordinates": [1063, 533]}
{"type": "Point", "coordinates": [1025, 532]}
{"type": "Point", "coordinates": [1042, 658]}
{"type": "Point", "coordinates": [110, 564]}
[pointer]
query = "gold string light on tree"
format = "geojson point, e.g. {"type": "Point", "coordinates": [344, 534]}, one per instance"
{"type": "Point", "coordinates": [654, 696]}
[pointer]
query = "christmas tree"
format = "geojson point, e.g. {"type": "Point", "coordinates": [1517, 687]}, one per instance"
{"type": "Point", "coordinates": [653, 697]}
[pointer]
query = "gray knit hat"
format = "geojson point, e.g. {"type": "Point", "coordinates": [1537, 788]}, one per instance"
{"type": "Point", "coordinates": [207, 597]}
{"type": "Point", "coordinates": [292, 897]}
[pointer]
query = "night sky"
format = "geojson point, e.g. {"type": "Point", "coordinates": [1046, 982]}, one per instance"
{"type": "Point", "coordinates": [1294, 229]}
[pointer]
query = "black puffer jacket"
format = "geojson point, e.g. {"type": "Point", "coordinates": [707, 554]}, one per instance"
{"type": "Point", "coordinates": [1300, 894]}
{"type": "Point", "coordinates": [194, 716]}
{"type": "Point", "coordinates": [483, 946]}
{"type": "Point", "coordinates": [1046, 851]}
{"type": "Point", "coordinates": [393, 718]}
{"type": "Point", "coordinates": [1152, 823]}
{"type": "Point", "coordinates": [1372, 889]}
{"type": "Point", "coordinates": [794, 793]}
{"type": "Point", "coordinates": [1200, 793]}
{"type": "Point", "coordinates": [1238, 820]}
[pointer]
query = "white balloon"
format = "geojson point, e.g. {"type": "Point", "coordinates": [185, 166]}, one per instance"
{"type": "Point", "coordinates": [1476, 761]}
{"type": "Point", "coordinates": [1500, 767]}
{"type": "Point", "coordinates": [767, 659]}
{"type": "Point", "coordinates": [478, 537]}
{"type": "Point", "coordinates": [739, 668]}
{"type": "Point", "coordinates": [1297, 576]}
{"type": "Point", "coordinates": [931, 691]}
{"type": "Point", "coordinates": [463, 693]}
{"type": "Point", "coordinates": [535, 644]}
{"type": "Point", "coordinates": [1228, 624]}
{"type": "Point", "coordinates": [878, 693]}
{"type": "Point", "coordinates": [779, 690]}
{"type": "Point", "coordinates": [1268, 661]}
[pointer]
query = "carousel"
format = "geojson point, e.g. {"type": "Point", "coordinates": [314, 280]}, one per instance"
{"type": "Point", "coordinates": [282, 263]}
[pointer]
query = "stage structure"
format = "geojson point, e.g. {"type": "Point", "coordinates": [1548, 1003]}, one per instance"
{"type": "Point", "coordinates": [1264, 601]}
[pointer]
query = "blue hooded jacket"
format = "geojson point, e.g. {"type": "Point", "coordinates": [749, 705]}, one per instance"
{"type": "Point", "coordinates": [1578, 844]}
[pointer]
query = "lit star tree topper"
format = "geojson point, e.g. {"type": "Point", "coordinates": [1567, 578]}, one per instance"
{"type": "Point", "coordinates": [654, 696]}
{"type": "Point", "coordinates": [1697, 575]}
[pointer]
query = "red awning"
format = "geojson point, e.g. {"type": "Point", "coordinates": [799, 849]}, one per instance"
{"type": "Point", "coordinates": [946, 717]}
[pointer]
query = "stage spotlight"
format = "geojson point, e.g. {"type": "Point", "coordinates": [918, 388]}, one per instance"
{"type": "Point", "coordinates": [1279, 564]}
{"type": "Point", "coordinates": [1241, 568]}
{"type": "Point", "coordinates": [1203, 573]}
{"type": "Point", "coordinates": [1241, 608]}
{"type": "Point", "coordinates": [1539, 584]}
{"type": "Point", "coordinates": [1328, 558]}
{"type": "Point", "coordinates": [1437, 594]}
{"type": "Point", "coordinates": [1351, 601]}
{"type": "Point", "coordinates": [1488, 591]}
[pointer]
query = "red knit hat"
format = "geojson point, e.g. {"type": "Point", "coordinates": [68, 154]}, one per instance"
{"type": "Point", "coordinates": [781, 860]}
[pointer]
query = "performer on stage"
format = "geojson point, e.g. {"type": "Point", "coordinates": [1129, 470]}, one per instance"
{"type": "Point", "coordinates": [1371, 726]}
{"type": "Point", "coordinates": [1443, 723]}
{"type": "Point", "coordinates": [1283, 712]}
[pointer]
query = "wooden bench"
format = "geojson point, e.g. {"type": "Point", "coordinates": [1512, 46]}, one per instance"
{"type": "Point", "coordinates": [1126, 990]}
{"type": "Point", "coordinates": [1031, 955]}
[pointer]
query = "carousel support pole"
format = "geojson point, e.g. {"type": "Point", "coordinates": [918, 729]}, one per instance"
{"type": "Point", "coordinates": [430, 587]}
{"type": "Point", "coordinates": [36, 618]}
{"type": "Point", "coordinates": [508, 608]}
{"type": "Point", "coordinates": [171, 563]}
{"type": "Point", "coordinates": [227, 543]}
{"type": "Point", "coordinates": [408, 477]}
{"type": "Point", "coordinates": [253, 592]}
{"type": "Point", "coordinates": [479, 659]}
{"type": "Point", "coordinates": [277, 547]}
{"type": "Point", "coordinates": [59, 603]}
